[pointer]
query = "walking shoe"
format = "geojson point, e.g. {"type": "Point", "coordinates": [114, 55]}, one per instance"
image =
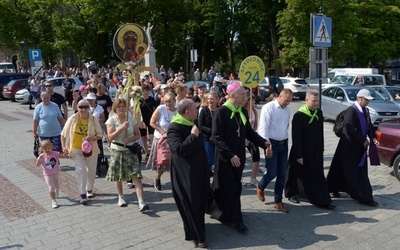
{"type": "Point", "coordinates": [243, 183]}
{"type": "Point", "coordinates": [260, 194]}
{"type": "Point", "coordinates": [143, 207]}
{"type": "Point", "coordinates": [263, 170]}
{"type": "Point", "coordinates": [121, 202]}
{"type": "Point", "coordinates": [254, 182]}
{"type": "Point", "coordinates": [130, 185]}
{"type": "Point", "coordinates": [54, 204]}
{"type": "Point", "coordinates": [83, 200]}
{"type": "Point", "coordinates": [281, 207]}
{"type": "Point", "coordinates": [157, 184]}
{"type": "Point", "coordinates": [90, 194]}
{"type": "Point", "coordinates": [335, 195]}
{"type": "Point", "coordinates": [294, 199]}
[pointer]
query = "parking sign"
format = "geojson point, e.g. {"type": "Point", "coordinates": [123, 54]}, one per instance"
{"type": "Point", "coordinates": [35, 55]}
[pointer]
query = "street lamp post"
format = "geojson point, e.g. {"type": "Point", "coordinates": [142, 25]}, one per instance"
{"type": "Point", "coordinates": [189, 62]}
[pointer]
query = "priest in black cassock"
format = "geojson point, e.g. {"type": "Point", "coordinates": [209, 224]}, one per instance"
{"type": "Point", "coordinates": [230, 128]}
{"type": "Point", "coordinates": [305, 175]}
{"type": "Point", "coordinates": [189, 171]}
{"type": "Point", "coordinates": [349, 168]}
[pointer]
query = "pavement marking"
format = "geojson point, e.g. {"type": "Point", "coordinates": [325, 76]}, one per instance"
{"type": "Point", "coordinates": [16, 204]}
{"type": "Point", "coordinates": [23, 114]}
{"type": "Point", "coordinates": [8, 118]}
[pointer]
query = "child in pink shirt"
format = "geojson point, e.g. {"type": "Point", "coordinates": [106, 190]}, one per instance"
{"type": "Point", "coordinates": [49, 160]}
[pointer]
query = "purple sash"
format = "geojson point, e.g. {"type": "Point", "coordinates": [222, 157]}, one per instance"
{"type": "Point", "coordinates": [373, 151]}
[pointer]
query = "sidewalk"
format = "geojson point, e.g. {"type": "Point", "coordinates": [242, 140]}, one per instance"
{"type": "Point", "coordinates": [27, 220]}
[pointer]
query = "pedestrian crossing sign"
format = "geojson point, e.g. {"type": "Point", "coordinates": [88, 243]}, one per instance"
{"type": "Point", "coordinates": [322, 31]}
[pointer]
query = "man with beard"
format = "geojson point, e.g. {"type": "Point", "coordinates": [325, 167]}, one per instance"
{"type": "Point", "coordinates": [305, 174]}
{"type": "Point", "coordinates": [230, 128]}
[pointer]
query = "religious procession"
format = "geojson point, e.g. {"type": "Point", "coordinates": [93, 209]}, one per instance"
{"type": "Point", "coordinates": [198, 133]}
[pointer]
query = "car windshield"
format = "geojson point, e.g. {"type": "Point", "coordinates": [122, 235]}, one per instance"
{"type": "Point", "coordinates": [11, 83]}
{"type": "Point", "coordinates": [352, 94]}
{"type": "Point", "coordinates": [393, 91]}
{"type": "Point", "coordinates": [342, 80]}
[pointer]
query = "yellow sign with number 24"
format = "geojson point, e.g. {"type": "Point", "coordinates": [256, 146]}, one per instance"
{"type": "Point", "coordinates": [251, 71]}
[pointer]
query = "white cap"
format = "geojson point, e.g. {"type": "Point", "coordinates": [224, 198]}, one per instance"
{"type": "Point", "coordinates": [365, 93]}
{"type": "Point", "coordinates": [90, 96]}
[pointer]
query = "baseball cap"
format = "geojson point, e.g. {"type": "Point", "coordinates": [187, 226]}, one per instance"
{"type": "Point", "coordinates": [202, 85]}
{"type": "Point", "coordinates": [164, 86]}
{"type": "Point", "coordinates": [365, 93]}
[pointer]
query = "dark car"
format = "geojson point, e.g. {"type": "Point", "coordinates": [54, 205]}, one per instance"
{"type": "Point", "coordinates": [388, 135]}
{"type": "Point", "coordinates": [7, 77]}
{"type": "Point", "coordinates": [269, 85]}
{"type": "Point", "coordinates": [13, 86]}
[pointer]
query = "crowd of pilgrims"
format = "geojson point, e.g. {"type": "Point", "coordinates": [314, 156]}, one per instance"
{"type": "Point", "coordinates": [164, 100]}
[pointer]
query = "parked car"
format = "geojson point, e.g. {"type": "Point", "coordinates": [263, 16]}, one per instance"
{"type": "Point", "coordinates": [57, 82]}
{"type": "Point", "coordinates": [368, 79]}
{"type": "Point", "coordinates": [269, 85]}
{"type": "Point", "coordinates": [314, 83]}
{"type": "Point", "coordinates": [13, 86]}
{"type": "Point", "coordinates": [190, 83]}
{"type": "Point", "coordinates": [338, 98]}
{"type": "Point", "coordinates": [388, 135]}
{"type": "Point", "coordinates": [6, 78]}
{"type": "Point", "coordinates": [393, 83]}
{"type": "Point", "coordinates": [298, 86]}
{"type": "Point", "coordinates": [7, 66]}
{"type": "Point", "coordinates": [389, 92]}
{"type": "Point", "coordinates": [22, 96]}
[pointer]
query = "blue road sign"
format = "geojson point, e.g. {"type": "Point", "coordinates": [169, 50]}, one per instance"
{"type": "Point", "coordinates": [35, 55]}
{"type": "Point", "coordinates": [322, 31]}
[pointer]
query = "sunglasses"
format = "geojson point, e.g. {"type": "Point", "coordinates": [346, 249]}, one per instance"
{"type": "Point", "coordinates": [48, 86]}
{"type": "Point", "coordinates": [83, 107]}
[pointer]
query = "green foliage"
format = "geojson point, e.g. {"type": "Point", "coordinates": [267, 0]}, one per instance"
{"type": "Point", "coordinates": [365, 32]}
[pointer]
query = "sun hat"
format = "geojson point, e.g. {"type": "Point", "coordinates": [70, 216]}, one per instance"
{"type": "Point", "coordinates": [164, 86]}
{"type": "Point", "coordinates": [365, 93]}
{"type": "Point", "coordinates": [83, 87]}
{"type": "Point", "coordinates": [91, 96]}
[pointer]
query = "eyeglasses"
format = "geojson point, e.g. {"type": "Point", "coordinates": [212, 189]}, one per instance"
{"type": "Point", "coordinates": [83, 107]}
{"type": "Point", "coordinates": [48, 86]}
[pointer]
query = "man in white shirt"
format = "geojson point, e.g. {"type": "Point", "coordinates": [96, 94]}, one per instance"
{"type": "Point", "coordinates": [273, 126]}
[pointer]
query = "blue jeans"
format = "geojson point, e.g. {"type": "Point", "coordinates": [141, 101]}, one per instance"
{"type": "Point", "coordinates": [210, 150]}
{"type": "Point", "coordinates": [276, 167]}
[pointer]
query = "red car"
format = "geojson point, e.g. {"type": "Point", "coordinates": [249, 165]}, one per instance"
{"type": "Point", "coordinates": [13, 86]}
{"type": "Point", "coordinates": [388, 135]}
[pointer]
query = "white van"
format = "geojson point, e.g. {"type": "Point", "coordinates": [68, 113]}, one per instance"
{"type": "Point", "coordinates": [353, 71]}
{"type": "Point", "coordinates": [7, 65]}
{"type": "Point", "coordinates": [351, 79]}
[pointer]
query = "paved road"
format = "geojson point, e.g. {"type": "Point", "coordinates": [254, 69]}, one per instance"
{"type": "Point", "coordinates": [27, 220]}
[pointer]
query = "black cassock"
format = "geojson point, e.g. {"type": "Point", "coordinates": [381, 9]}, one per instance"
{"type": "Point", "coordinates": [345, 174]}
{"type": "Point", "coordinates": [307, 180]}
{"type": "Point", "coordinates": [189, 178]}
{"type": "Point", "coordinates": [229, 137]}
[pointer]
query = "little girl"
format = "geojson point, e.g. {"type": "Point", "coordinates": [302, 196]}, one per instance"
{"type": "Point", "coordinates": [49, 160]}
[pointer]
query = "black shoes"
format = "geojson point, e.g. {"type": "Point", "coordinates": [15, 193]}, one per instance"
{"type": "Point", "coordinates": [370, 203]}
{"type": "Point", "coordinates": [329, 207]}
{"type": "Point", "coordinates": [294, 199]}
{"type": "Point", "coordinates": [241, 227]}
{"type": "Point", "coordinates": [157, 184]}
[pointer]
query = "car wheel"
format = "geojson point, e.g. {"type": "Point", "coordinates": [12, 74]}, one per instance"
{"type": "Point", "coordinates": [396, 164]}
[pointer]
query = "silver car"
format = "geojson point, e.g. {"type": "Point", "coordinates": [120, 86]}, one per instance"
{"type": "Point", "coordinates": [337, 98]}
